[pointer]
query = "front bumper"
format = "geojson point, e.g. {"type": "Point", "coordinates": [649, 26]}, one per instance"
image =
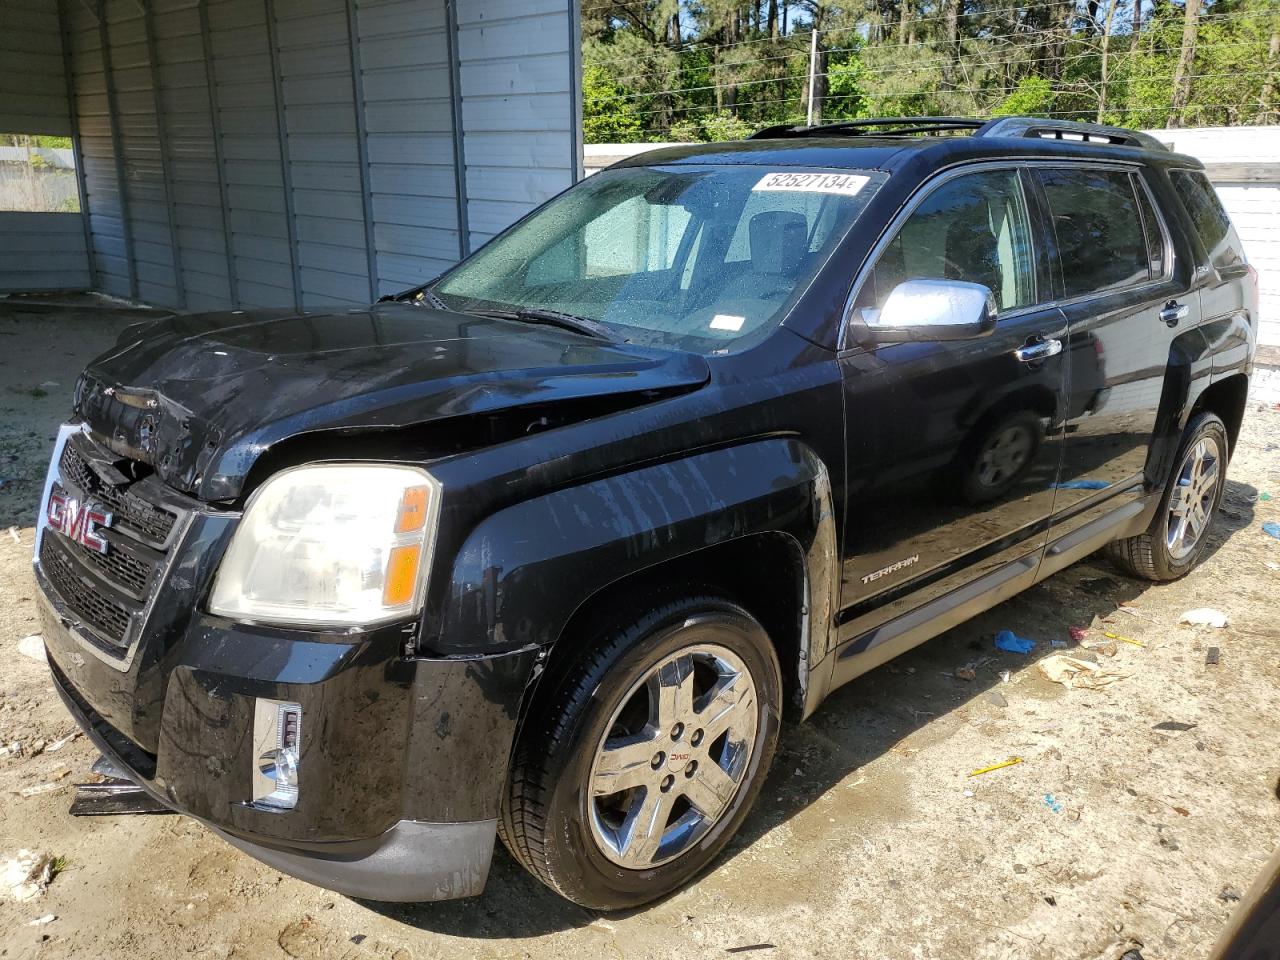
{"type": "Point", "coordinates": [403, 761]}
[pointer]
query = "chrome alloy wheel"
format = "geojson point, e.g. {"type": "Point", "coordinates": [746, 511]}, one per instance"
{"type": "Point", "coordinates": [673, 756]}
{"type": "Point", "coordinates": [1193, 497]}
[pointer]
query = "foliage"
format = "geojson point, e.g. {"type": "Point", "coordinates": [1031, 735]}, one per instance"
{"type": "Point", "coordinates": [716, 69]}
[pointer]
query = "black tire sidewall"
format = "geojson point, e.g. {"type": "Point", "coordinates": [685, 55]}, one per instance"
{"type": "Point", "coordinates": [579, 868]}
{"type": "Point", "coordinates": [1167, 566]}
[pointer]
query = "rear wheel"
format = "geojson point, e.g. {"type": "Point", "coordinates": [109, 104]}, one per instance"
{"type": "Point", "coordinates": [1174, 542]}
{"type": "Point", "coordinates": [636, 771]}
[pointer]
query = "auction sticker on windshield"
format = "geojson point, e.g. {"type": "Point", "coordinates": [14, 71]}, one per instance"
{"type": "Point", "coordinates": [847, 184]}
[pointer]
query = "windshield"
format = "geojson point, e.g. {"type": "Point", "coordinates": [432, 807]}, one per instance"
{"type": "Point", "coordinates": [694, 257]}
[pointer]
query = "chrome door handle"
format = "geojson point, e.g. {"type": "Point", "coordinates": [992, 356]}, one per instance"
{"type": "Point", "coordinates": [1039, 350]}
{"type": "Point", "coordinates": [1174, 311]}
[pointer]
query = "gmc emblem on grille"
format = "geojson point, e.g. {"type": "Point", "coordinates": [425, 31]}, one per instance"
{"type": "Point", "coordinates": [78, 521]}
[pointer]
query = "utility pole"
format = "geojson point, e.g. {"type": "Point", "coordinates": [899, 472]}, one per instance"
{"type": "Point", "coordinates": [813, 71]}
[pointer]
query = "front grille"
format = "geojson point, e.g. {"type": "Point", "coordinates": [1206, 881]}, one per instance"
{"type": "Point", "coordinates": [107, 617]}
{"type": "Point", "coordinates": [151, 523]}
{"type": "Point", "coordinates": [108, 591]}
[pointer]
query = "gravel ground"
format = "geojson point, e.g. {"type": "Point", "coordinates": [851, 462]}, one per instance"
{"type": "Point", "coordinates": [870, 840]}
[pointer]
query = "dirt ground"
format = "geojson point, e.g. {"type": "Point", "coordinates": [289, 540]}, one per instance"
{"type": "Point", "coordinates": [870, 840]}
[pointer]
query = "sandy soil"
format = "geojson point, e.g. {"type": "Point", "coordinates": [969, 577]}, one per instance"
{"type": "Point", "coordinates": [870, 840]}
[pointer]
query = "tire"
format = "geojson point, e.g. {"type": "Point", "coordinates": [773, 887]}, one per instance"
{"type": "Point", "coordinates": [1159, 554]}
{"type": "Point", "coordinates": [577, 841]}
{"type": "Point", "coordinates": [998, 458]}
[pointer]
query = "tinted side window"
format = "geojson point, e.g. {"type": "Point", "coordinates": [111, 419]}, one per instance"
{"type": "Point", "coordinates": [972, 228]}
{"type": "Point", "coordinates": [1211, 221]}
{"type": "Point", "coordinates": [1155, 235]}
{"type": "Point", "coordinates": [1099, 229]}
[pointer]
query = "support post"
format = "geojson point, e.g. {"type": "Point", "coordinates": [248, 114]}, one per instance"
{"type": "Point", "coordinates": [362, 146]}
{"type": "Point", "coordinates": [215, 121]}
{"type": "Point", "coordinates": [113, 118]}
{"type": "Point", "coordinates": [77, 151]}
{"type": "Point", "coordinates": [179, 284]}
{"type": "Point", "coordinates": [459, 151]}
{"type": "Point", "coordinates": [813, 71]}
{"type": "Point", "coordinates": [282, 136]}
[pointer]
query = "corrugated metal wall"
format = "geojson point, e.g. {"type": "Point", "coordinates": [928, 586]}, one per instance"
{"type": "Point", "coordinates": [38, 251]}
{"type": "Point", "coordinates": [264, 153]}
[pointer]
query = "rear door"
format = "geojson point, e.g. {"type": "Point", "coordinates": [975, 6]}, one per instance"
{"type": "Point", "coordinates": [1127, 296]}
{"type": "Point", "coordinates": [953, 447]}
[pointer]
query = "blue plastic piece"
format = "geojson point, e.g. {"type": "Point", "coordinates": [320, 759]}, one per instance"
{"type": "Point", "coordinates": [1271, 529]}
{"type": "Point", "coordinates": [1053, 803]}
{"type": "Point", "coordinates": [1010, 642]}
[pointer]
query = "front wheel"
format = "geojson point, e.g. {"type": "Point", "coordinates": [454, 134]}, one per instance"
{"type": "Point", "coordinates": [1174, 542]}
{"type": "Point", "coordinates": [635, 772]}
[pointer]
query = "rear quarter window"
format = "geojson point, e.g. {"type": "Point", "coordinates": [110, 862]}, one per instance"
{"type": "Point", "coordinates": [1099, 229]}
{"type": "Point", "coordinates": [1208, 216]}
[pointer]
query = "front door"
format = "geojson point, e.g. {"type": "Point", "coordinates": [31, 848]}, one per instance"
{"type": "Point", "coordinates": [953, 447]}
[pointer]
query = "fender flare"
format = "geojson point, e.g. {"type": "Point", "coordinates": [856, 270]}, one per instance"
{"type": "Point", "coordinates": [525, 570]}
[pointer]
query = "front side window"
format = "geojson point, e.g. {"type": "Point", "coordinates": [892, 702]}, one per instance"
{"type": "Point", "coordinates": [972, 228]}
{"type": "Point", "coordinates": [1098, 225]}
{"type": "Point", "coordinates": [688, 256]}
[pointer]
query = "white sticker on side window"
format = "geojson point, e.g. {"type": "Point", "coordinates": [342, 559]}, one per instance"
{"type": "Point", "coordinates": [845, 184]}
{"type": "Point", "coordinates": [727, 321]}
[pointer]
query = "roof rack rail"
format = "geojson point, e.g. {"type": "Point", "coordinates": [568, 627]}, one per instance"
{"type": "Point", "coordinates": [871, 126]}
{"type": "Point", "coordinates": [1068, 130]}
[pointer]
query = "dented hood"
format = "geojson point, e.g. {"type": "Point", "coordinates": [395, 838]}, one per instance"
{"type": "Point", "coordinates": [200, 398]}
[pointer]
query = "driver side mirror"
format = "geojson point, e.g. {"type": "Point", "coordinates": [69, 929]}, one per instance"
{"type": "Point", "coordinates": [932, 310]}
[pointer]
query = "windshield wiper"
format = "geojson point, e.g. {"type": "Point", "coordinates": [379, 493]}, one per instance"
{"type": "Point", "coordinates": [555, 318]}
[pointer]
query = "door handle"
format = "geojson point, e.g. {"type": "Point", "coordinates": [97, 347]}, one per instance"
{"type": "Point", "coordinates": [1173, 311]}
{"type": "Point", "coordinates": [1038, 350]}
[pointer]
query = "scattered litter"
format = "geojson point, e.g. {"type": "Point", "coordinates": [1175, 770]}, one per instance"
{"type": "Point", "coordinates": [33, 647]}
{"type": "Point", "coordinates": [14, 749]}
{"type": "Point", "coordinates": [1004, 676]}
{"type": "Point", "coordinates": [1229, 895]}
{"type": "Point", "coordinates": [1204, 617]}
{"type": "Point", "coordinates": [1010, 642]}
{"type": "Point", "coordinates": [964, 673]}
{"type": "Point", "coordinates": [996, 766]}
{"type": "Point", "coordinates": [39, 788]}
{"type": "Point", "coordinates": [1107, 648]}
{"type": "Point", "coordinates": [41, 921]}
{"type": "Point", "coordinates": [1173, 725]}
{"type": "Point", "coordinates": [1264, 496]}
{"type": "Point", "coordinates": [1211, 656]}
{"type": "Point", "coordinates": [1051, 901]}
{"type": "Point", "coordinates": [1053, 803]}
{"type": "Point", "coordinates": [1078, 634]}
{"type": "Point", "coordinates": [998, 698]}
{"type": "Point", "coordinates": [1072, 672]}
{"type": "Point", "coordinates": [1059, 644]}
{"type": "Point", "coordinates": [13, 532]}
{"type": "Point", "coordinates": [1115, 636]}
{"type": "Point", "coordinates": [59, 744]}
{"type": "Point", "coordinates": [1271, 529]}
{"type": "Point", "coordinates": [27, 875]}
{"type": "Point", "coordinates": [968, 793]}
{"type": "Point", "coordinates": [750, 947]}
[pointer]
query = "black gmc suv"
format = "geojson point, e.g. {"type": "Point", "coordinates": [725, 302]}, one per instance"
{"type": "Point", "coordinates": [547, 548]}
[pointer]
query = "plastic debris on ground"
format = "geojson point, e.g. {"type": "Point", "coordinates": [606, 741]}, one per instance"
{"type": "Point", "coordinates": [1115, 636]}
{"type": "Point", "coordinates": [1074, 673]}
{"type": "Point", "coordinates": [1107, 648]}
{"type": "Point", "coordinates": [1204, 617]}
{"type": "Point", "coordinates": [996, 766]}
{"type": "Point", "coordinates": [27, 875]}
{"type": "Point", "coordinates": [1271, 529]}
{"type": "Point", "coordinates": [41, 921]}
{"type": "Point", "coordinates": [1010, 642]}
{"type": "Point", "coordinates": [33, 647]}
{"type": "Point", "coordinates": [1211, 656]}
{"type": "Point", "coordinates": [1053, 803]}
{"type": "Point", "coordinates": [1078, 634]}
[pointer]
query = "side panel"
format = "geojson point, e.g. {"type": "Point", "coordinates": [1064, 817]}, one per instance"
{"type": "Point", "coordinates": [524, 571]}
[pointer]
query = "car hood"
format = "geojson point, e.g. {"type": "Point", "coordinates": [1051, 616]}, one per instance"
{"type": "Point", "coordinates": [200, 398]}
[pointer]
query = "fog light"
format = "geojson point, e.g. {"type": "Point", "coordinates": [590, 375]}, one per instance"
{"type": "Point", "coordinates": [277, 740]}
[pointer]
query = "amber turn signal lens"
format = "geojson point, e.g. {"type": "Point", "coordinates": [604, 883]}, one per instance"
{"type": "Point", "coordinates": [402, 576]}
{"type": "Point", "coordinates": [413, 509]}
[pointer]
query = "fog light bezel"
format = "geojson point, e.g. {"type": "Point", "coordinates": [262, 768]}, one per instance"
{"type": "Point", "coordinates": [276, 758]}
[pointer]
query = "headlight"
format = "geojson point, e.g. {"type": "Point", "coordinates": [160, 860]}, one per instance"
{"type": "Point", "coordinates": [331, 545]}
